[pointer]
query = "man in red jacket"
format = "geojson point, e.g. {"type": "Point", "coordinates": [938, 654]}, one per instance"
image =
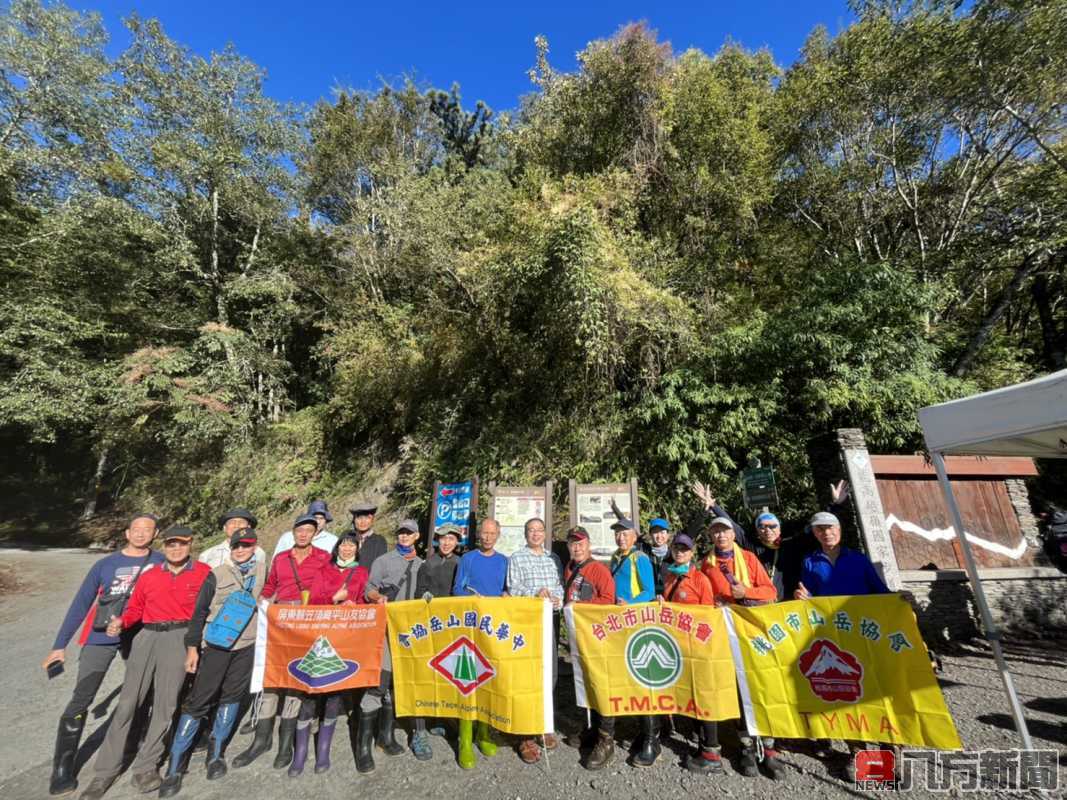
{"type": "Point", "coordinates": [162, 601]}
{"type": "Point", "coordinates": [297, 577]}
{"type": "Point", "coordinates": [586, 580]}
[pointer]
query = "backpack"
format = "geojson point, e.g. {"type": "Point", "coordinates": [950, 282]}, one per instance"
{"type": "Point", "coordinates": [232, 618]}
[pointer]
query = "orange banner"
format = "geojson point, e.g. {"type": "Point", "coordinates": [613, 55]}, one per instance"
{"type": "Point", "coordinates": [319, 649]}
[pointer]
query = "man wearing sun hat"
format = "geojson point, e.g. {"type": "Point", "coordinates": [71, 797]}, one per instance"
{"type": "Point", "coordinates": [163, 600]}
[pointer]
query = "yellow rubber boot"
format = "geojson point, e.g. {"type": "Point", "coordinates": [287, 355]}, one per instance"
{"type": "Point", "coordinates": [466, 749]}
{"type": "Point", "coordinates": [485, 743]}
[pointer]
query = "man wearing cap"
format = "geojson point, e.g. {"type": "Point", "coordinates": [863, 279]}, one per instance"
{"type": "Point", "coordinates": [162, 601]}
{"type": "Point", "coordinates": [482, 572]}
{"type": "Point", "coordinates": [223, 670]}
{"type": "Point", "coordinates": [295, 578]}
{"type": "Point", "coordinates": [233, 520]}
{"type": "Point", "coordinates": [737, 577]}
{"type": "Point", "coordinates": [586, 580]}
{"type": "Point", "coordinates": [371, 545]}
{"type": "Point", "coordinates": [111, 577]}
{"type": "Point", "coordinates": [534, 571]}
{"type": "Point", "coordinates": [393, 577]}
{"type": "Point", "coordinates": [834, 570]}
{"type": "Point", "coordinates": [658, 550]}
{"type": "Point", "coordinates": [323, 539]}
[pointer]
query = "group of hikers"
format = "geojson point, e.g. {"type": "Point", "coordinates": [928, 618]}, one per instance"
{"type": "Point", "coordinates": [171, 619]}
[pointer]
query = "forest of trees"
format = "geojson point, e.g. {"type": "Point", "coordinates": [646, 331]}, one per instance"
{"type": "Point", "coordinates": [658, 264]}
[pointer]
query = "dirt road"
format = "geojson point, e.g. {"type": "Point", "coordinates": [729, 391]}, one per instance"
{"type": "Point", "coordinates": [32, 704]}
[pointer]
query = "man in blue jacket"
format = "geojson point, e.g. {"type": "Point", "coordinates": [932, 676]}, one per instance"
{"type": "Point", "coordinates": [109, 582]}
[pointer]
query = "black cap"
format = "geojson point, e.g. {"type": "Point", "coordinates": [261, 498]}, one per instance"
{"type": "Point", "coordinates": [363, 508]}
{"type": "Point", "coordinates": [305, 519]}
{"type": "Point", "coordinates": [239, 513]}
{"type": "Point", "coordinates": [243, 536]}
{"type": "Point", "coordinates": [178, 532]}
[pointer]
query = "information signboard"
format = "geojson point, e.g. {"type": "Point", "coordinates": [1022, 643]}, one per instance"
{"type": "Point", "coordinates": [511, 506]}
{"type": "Point", "coordinates": [590, 507]}
{"type": "Point", "coordinates": [758, 488]}
{"type": "Point", "coordinates": [455, 504]}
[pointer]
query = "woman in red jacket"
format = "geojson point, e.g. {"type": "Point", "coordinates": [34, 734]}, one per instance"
{"type": "Point", "coordinates": [737, 577]}
{"type": "Point", "coordinates": [341, 582]}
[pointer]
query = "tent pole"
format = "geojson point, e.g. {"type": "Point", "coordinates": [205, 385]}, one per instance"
{"type": "Point", "coordinates": [992, 633]}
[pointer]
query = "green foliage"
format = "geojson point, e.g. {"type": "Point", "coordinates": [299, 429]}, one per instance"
{"type": "Point", "coordinates": [661, 265]}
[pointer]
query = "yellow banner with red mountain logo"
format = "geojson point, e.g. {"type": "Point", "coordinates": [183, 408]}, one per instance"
{"type": "Point", "coordinates": [851, 668]}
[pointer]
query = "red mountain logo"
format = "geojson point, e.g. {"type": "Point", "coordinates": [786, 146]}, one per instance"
{"type": "Point", "coordinates": [834, 674]}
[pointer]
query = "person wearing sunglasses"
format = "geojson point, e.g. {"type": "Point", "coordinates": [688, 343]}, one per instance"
{"type": "Point", "coordinates": [220, 651]}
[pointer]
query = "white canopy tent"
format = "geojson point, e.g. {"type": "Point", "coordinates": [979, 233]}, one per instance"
{"type": "Point", "coordinates": [1029, 419]}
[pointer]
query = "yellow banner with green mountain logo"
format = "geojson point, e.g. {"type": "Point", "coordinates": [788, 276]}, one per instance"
{"type": "Point", "coordinates": [851, 668]}
{"type": "Point", "coordinates": [652, 658]}
{"type": "Point", "coordinates": [478, 658]}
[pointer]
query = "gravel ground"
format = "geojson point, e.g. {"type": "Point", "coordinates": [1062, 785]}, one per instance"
{"type": "Point", "coordinates": [31, 705]}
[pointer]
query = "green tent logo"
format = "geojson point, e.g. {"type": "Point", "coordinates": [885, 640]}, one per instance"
{"type": "Point", "coordinates": [653, 658]}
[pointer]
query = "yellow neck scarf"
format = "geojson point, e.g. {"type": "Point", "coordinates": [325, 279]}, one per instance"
{"type": "Point", "coordinates": [635, 578]}
{"type": "Point", "coordinates": [740, 567]}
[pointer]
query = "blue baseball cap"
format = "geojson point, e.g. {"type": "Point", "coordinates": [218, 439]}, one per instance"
{"type": "Point", "coordinates": [659, 522]}
{"type": "Point", "coordinates": [305, 519]}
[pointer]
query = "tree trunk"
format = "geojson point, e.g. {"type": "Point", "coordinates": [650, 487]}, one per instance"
{"type": "Point", "coordinates": [97, 488]}
{"type": "Point", "coordinates": [985, 330]}
{"type": "Point", "coordinates": [1053, 340]}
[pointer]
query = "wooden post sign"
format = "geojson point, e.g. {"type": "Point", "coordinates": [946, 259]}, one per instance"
{"type": "Point", "coordinates": [590, 505]}
{"type": "Point", "coordinates": [511, 506]}
{"type": "Point", "coordinates": [455, 504]}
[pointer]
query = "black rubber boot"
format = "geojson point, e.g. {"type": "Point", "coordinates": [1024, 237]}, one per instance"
{"type": "Point", "coordinates": [68, 737]}
{"type": "Point", "coordinates": [387, 730]}
{"type": "Point", "coordinates": [262, 742]}
{"type": "Point", "coordinates": [286, 731]}
{"type": "Point", "coordinates": [648, 748]}
{"type": "Point", "coordinates": [365, 741]}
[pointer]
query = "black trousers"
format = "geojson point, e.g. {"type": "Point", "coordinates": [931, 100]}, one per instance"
{"type": "Point", "coordinates": [223, 676]}
{"type": "Point", "coordinates": [93, 664]}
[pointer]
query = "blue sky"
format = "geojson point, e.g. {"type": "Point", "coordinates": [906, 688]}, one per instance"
{"type": "Point", "coordinates": [311, 46]}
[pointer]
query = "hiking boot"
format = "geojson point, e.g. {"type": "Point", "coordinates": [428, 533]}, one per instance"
{"type": "Point", "coordinates": [171, 785]}
{"type": "Point", "coordinates": [529, 752]}
{"type": "Point", "coordinates": [602, 752]}
{"type": "Point", "coordinates": [466, 747]}
{"type": "Point", "coordinates": [484, 739]}
{"type": "Point", "coordinates": [301, 740]}
{"type": "Point", "coordinates": [387, 730]}
{"type": "Point", "coordinates": [365, 741]}
{"type": "Point", "coordinates": [146, 781]}
{"type": "Point", "coordinates": [747, 762]}
{"type": "Point", "coordinates": [648, 747]}
{"type": "Point", "coordinates": [96, 789]}
{"type": "Point", "coordinates": [704, 762]}
{"type": "Point", "coordinates": [261, 744]}
{"type": "Point", "coordinates": [773, 764]}
{"type": "Point", "coordinates": [323, 742]}
{"type": "Point", "coordinates": [420, 746]}
{"type": "Point", "coordinates": [286, 732]}
{"type": "Point", "coordinates": [68, 737]}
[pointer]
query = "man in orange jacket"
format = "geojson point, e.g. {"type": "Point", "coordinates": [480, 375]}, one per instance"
{"type": "Point", "coordinates": [737, 576]}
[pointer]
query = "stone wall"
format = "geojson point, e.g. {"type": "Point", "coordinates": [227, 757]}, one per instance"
{"type": "Point", "coordinates": [1030, 601]}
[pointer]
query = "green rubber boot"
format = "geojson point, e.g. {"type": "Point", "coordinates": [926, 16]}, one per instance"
{"type": "Point", "coordinates": [466, 749]}
{"type": "Point", "coordinates": [485, 743]}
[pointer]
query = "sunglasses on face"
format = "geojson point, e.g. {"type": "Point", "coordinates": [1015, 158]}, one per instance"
{"type": "Point", "coordinates": [769, 525]}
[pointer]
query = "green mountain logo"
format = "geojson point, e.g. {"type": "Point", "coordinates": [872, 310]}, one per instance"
{"type": "Point", "coordinates": [653, 658]}
{"type": "Point", "coordinates": [321, 665]}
